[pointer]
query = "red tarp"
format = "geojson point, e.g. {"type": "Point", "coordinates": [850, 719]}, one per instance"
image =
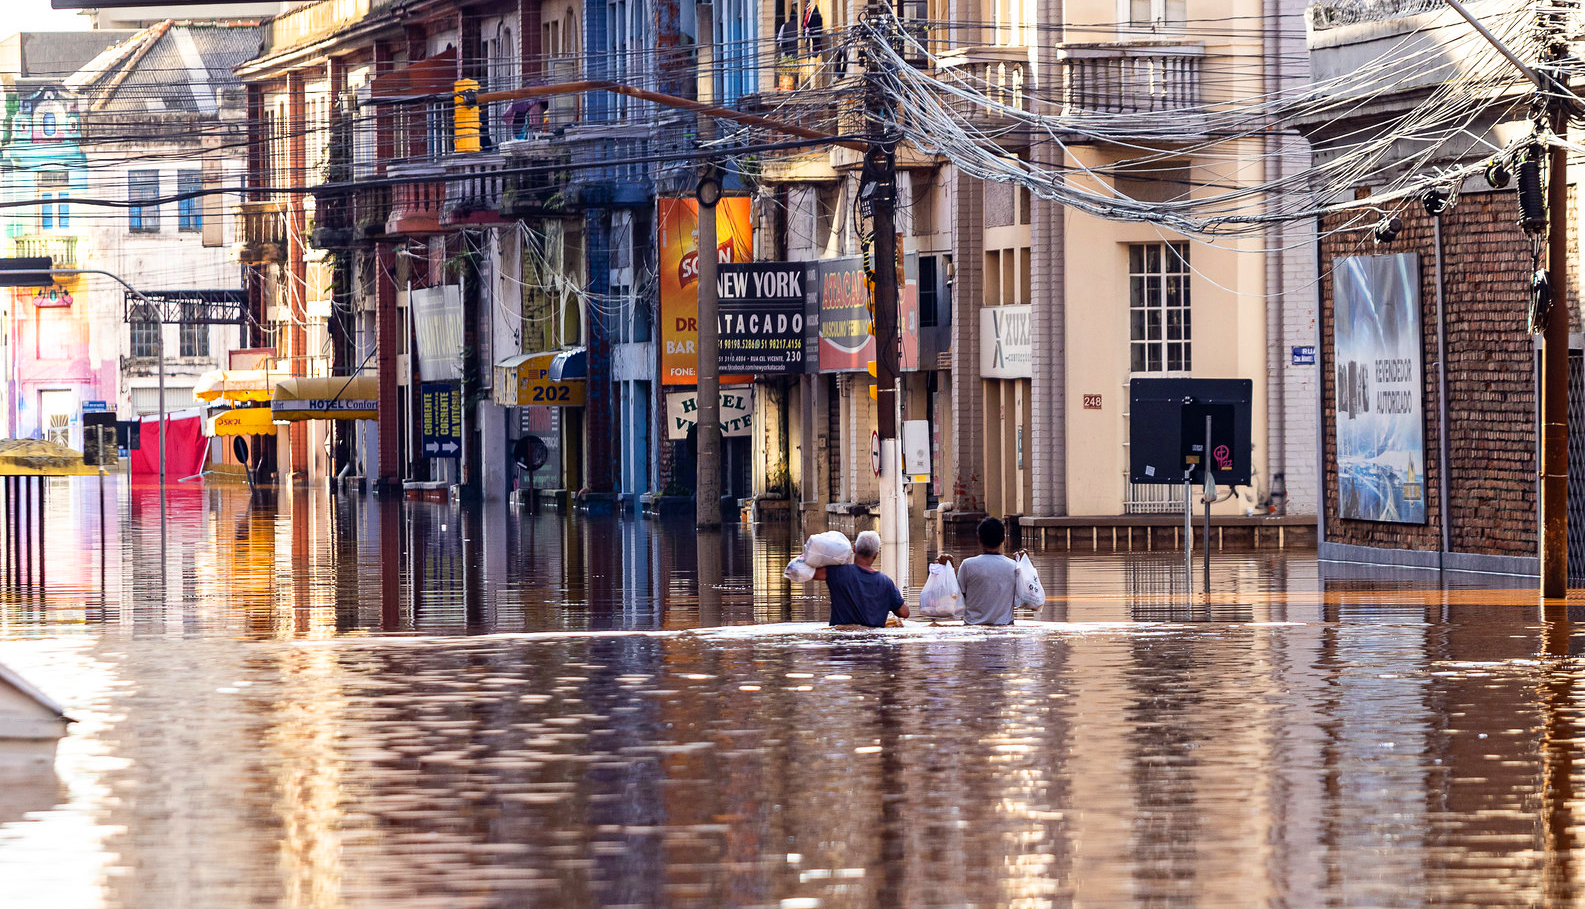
{"type": "Point", "coordinates": [186, 454]}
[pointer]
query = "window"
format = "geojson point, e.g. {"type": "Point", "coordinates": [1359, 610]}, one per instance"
{"type": "Point", "coordinates": [195, 340]}
{"type": "Point", "coordinates": [143, 185]}
{"type": "Point", "coordinates": [190, 212]}
{"type": "Point", "coordinates": [1158, 307]}
{"type": "Point", "coordinates": [1157, 15]}
{"type": "Point", "coordinates": [145, 339]}
{"type": "Point", "coordinates": [53, 212]}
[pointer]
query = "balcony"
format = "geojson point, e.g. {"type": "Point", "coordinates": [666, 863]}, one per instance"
{"type": "Point", "coordinates": [1129, 79]}
{"type": "Point", "coordinates": [1002, 73]}
{"type": "Point", "coordinates": [416, 207]}
{"type": "Point", "coordinates": [475, 188]}
{"type": "Point", "coordinates": [62, 251]}
{"type": "Point", "coordinates": [263, 232]}
{"type": "Point", "coordinates": [330, 226]}
{"type": "Point", "coordinates": [371, 209]}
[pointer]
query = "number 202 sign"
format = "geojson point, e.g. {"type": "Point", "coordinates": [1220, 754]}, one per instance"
{"type": "Point", "coordinates": [535, 388]}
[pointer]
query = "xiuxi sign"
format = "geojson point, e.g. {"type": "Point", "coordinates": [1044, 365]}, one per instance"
{"type": "Point", "coordinates": [1006, 348]}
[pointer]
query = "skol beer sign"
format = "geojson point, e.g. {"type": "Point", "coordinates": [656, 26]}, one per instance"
{"type": "Point", "coordinates": [677, 236]}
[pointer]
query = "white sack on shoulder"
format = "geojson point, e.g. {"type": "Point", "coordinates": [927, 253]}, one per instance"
{"type": "Point", "coordinates": [826, 549]}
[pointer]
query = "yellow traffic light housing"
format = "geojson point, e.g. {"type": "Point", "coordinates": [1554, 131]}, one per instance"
{"type": "Point", "coordinates": [465, 115]}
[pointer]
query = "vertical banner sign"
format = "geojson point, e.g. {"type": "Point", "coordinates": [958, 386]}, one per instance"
{"type": "Point", "coordinates": [442, 420]}
{"type": "Point", "coordinates": [762, 317]}
{"type": "Point", "coordinates": [846, 344]}
{"type": "Point", "coordinates": [677, 239]}
{"type": "Point", "coordinates": [1378, 396]}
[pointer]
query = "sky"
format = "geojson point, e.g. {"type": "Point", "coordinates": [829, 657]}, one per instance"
{"type": "Point", "coordinates": [37, 16]}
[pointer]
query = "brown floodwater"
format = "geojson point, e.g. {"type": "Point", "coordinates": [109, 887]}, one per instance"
{"type": "Point", "coordinates": [335, 702]}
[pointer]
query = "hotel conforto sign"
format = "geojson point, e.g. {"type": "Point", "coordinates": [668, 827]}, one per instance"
{"type": "Point", "coordinates": [1006, 351]}
{"type": "Point", "coordinates": [762, 317]}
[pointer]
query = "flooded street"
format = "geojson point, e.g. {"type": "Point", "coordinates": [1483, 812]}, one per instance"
{"type": "Point", "coordinates": [322, 702]}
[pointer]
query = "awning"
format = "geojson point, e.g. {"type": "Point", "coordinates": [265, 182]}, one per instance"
{"type": "Point", "coordinates": [435, 75]}
{"type": "Point", "coordinates": [326, 398]}
{"type": "Point", "coordinates": [570, 364]}
{"type": "Point", "coordinates": [243, 421]}
{"type": "Point", "coordinates": [525, 381]}
{"type": "Point", "coordinates": [236, 385]}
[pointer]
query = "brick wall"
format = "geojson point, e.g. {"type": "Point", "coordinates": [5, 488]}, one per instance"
{"type": "Point", "coordinates": [1491, 379]}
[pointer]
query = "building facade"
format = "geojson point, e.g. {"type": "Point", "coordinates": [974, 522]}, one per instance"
{"type": "Point", "coordinates": [533, 274]}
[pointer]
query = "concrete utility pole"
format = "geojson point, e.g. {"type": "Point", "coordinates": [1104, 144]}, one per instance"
{"type": "Point", "coordinates": [1554, 334]}
{"type": "Point", "coordinates": [707, 432]}
{"type": "Point", "coordinates": [879, 192]}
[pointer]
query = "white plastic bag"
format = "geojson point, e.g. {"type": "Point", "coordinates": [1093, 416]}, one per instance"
{"type": "Point", "coordinates": [941, 598]}
{"type": "Point", "coordinates": [798, 571]}
{"type": "Point", "coordinates": [1026, 583]}
{"type": "Point", "coordinates": [826, 549]}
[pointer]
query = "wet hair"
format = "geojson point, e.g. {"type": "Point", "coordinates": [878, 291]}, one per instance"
{"type": "Point", "coordinates": [868, 544]}
{"type": "Point", "coordinates": [991, 532]}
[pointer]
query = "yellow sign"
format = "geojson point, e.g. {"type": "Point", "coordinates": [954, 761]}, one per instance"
{"type": "Point", "coordinates": [524, 381]}
{"type": "Point", "coordinates": [245, 421]}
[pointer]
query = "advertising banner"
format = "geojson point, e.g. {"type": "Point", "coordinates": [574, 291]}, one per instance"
{"type": "Point", "coordinates": [677, 239]}
{"type": "Point", "coordinates": [1380, 422]}
{"type": "Point", "coordinates": [737, 412]}
{"type": "Point", "coordinates": [762, 317]}
{"type": "Point", "coordinates": [846, 344]}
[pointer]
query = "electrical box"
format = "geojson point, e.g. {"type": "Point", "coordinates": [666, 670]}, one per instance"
{"type": "Point", "coordinates": [916, 450]}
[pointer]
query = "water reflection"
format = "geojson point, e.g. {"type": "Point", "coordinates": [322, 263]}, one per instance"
{"type": "Point", "coordinates": [310, 701]}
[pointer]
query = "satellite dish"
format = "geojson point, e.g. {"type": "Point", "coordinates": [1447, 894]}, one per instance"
{"type": "Point", "coordinates": [530, 453]}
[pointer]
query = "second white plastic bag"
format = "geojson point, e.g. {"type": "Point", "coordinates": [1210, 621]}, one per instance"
{"type": "Point", "coordinates": [941, 598]}
{"type": "Point", "coordinates": [799, 572]}
{"type": "Point", "coordinates": [1026, 583]}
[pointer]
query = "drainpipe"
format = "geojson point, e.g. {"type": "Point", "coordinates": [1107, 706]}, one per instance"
{"type": "Point", "coordinates": [1442, 479]}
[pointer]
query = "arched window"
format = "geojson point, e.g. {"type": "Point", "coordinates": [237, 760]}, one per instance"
{"type": "Point", "coordinates": [49, 123]}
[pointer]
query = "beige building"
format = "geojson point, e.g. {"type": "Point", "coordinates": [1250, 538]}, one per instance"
{"type": "Point", "coordinates": [1033, 317]}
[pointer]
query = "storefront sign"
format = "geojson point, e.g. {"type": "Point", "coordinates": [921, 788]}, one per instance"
{"type": "Point", "coordinates": [1006, 348]}
{"type": "Point", "coordinates": [441, 420]}
{"type": "Point", "coordinates": [524, 381]}
{"type": "Point", "coordinates": [677, 240]}
{"type": "Point", "coordinates": [762, 317]}
{"type": "Point", "coordinates": [1379, 418]}
{"type": "Point", "coordinates": [846, 344]}
{"type": "Point", "coordinates": [737, 412]}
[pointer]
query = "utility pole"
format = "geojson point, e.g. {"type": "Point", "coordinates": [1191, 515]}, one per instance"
{"type": "Point", "coordinates": [1554, 335]}
{"type": "Point", "coordinates": [707, 431]}
{"type": "Point", "coordinates": [878, 191]}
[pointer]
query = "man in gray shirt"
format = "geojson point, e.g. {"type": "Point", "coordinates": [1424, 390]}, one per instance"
{"type": "Point", "coordinates": [987, 580]}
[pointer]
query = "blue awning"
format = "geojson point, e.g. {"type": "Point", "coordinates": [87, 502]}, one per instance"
{"type": "Point", "coordinates": [570, 364]}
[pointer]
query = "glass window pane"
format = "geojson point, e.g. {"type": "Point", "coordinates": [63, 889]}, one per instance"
{"type": "Point", "coordinates": [1138, 364]}
{"type": "Point", "coordinates": [1174, 356]}
{"type": "Point", "coordinates": [1153, 358]}
{"type": "Point", "coordinates": [1153, 258]}
{"type": "Point", "coordinates": [1136, 258]}
{"type": "Point", "coordinates": [1174, 325]}
{"type": "Point", "coordinates": [1136, 292]}
{"type": "Point", "coordinates": [1153, 324]}
{"type": "Point", "coordinates": [1136, 325]}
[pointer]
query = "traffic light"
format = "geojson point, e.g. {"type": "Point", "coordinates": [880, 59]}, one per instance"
{"type": "Point", "coordinates": [874, 390]}
{"type": "Point", "coordinates": [28, 271]}
{"type": "Point", "coordinates": [465, 115]}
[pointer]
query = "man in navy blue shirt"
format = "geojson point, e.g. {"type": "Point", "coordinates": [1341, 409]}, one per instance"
{"type": "Point", "coordinates": [860, 595]}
